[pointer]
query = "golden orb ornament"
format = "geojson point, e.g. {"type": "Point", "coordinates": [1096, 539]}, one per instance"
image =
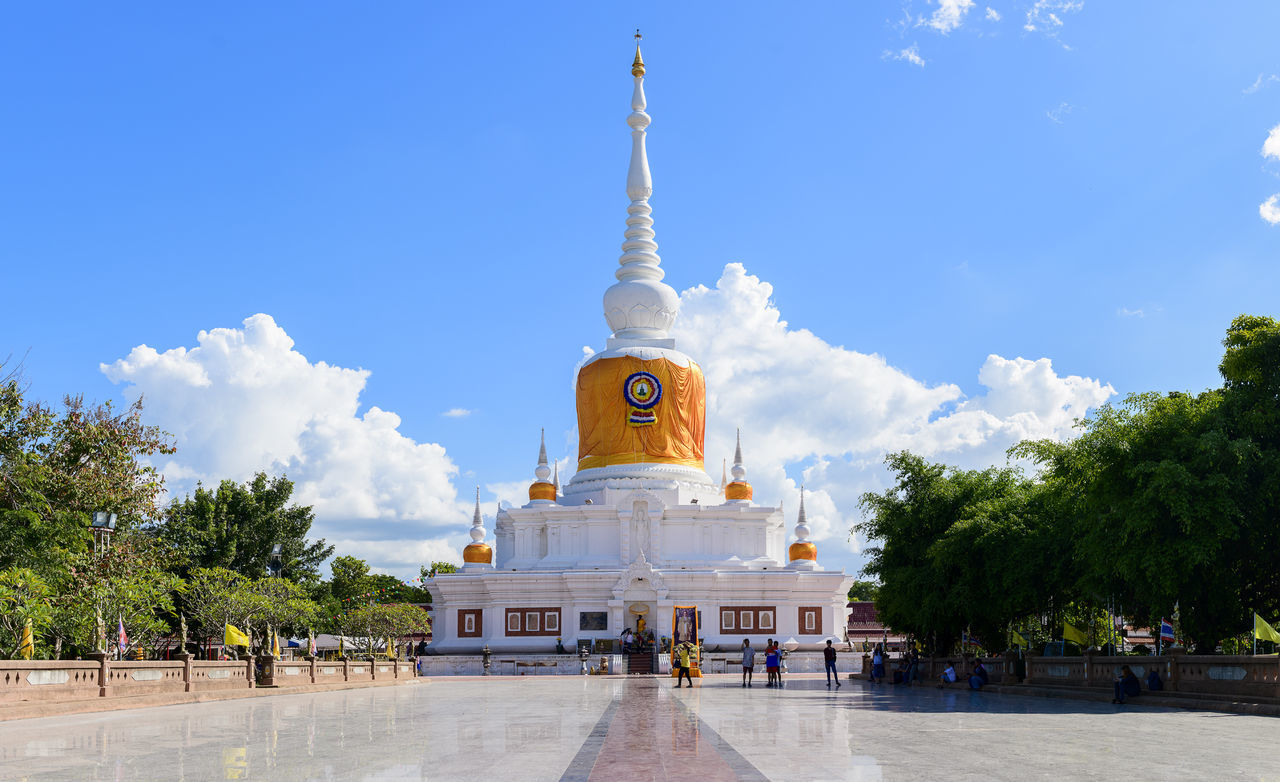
{"type": "Point", "coordinates": [478, 554]}
{"type": "Point", "coordinates": [803, 549]}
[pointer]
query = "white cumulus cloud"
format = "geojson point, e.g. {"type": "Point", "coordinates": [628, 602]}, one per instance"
{"type": "Point", "coordinates": [1056, 113]}
{"type": "Point", "coordinates": [1270, 210]}
{"type": "Point", "coordinates": [457, 412]}
{"type": "Point", "coordinates": [949, 15]}
{"type": "Point", "coordinates": [992, 14]}
{"type": "Point", "coordinates": [911, 54]}
{"type": "Point", "coordinates": [1261, 82]}
{"type": "Point", "coordinates": [1271, 147]}
{"type": "Point", "coordinates": [833, 413]}
{"type": "Point", "coordinates": [244, 400]}
{"type": "Point", "coordinates": [1046, 15]}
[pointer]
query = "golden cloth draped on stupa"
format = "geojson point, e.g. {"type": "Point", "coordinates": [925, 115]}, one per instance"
{"type": "Point", "coordinates": [615, 427]}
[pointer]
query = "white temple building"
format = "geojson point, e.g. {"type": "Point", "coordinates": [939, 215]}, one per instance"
{"type": "Point", "coordinates": [641, 527]}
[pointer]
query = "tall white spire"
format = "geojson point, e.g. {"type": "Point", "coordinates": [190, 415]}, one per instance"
{"type": "Point", "coordinates": [738, 490]}
{"type": "Point", "coordinates": [477, 554]}
{"type": "Point", "coordinates": [739, 470]}
{"type": "Point", "coordinates": [803, 554]}
{"type": "Point", "coordinates": [477, 522]}
{"type": "Point", "coordinates": [639, 306]}
{"type": "Point", "coordinates": [542, 489]}
{"type": "Point", "coordinates": [542, 471]}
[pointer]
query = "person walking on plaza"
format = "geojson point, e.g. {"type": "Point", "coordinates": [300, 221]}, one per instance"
{"type": "Point", "coordinates": [771, 661]}
{"type": "Point", "coordinates": [684, 653]}
{"type": "Point", "coordinates": [748, 661]}
{"type": "Point", "coordinates": [829, 657]}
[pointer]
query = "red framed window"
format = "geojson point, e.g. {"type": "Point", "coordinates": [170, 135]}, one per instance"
{"type": "Point", "coordinates": [533, 621]}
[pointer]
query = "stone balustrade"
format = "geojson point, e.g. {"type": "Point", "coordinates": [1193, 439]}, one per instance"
{"type": "Point", "coordinates": [67, 680]}
{"type": "Point", "coordinates": [1217, 675]}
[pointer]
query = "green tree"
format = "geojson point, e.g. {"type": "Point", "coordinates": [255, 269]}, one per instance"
{"type": "Point", "coordinates": [370, 625]}
{"type": "Point", "coordinates": [1251, 387]}
{"type": "Point", "coordinates": [217, 597]}
{"type": "Point", "coordinates": [961, 550]}
{"type": "Point", "coordinates": [281, 606]}
{"type": "Point", "coordinates": [1164, 490]}
{"type": "Point", "coordinates": [236, 526]}
{"type": "Point", "coordinates": [435, 568]}
{"type": "Point", "coordinates": [67, 463]}
{"type": "Point", "coordinates": [126, 584]}
{"type": "Point", "coordinates": [351, 579]}
{"type": "Point", "coordinates": [24, 600]}
{"type": "Point", "coordinates": [864, 590]}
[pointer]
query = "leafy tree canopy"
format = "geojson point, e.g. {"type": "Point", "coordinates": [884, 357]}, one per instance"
{"type": "Point", "coordinates": [235, 527]}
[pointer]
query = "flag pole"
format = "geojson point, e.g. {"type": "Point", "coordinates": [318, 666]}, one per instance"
{"type": "Point", "coordinates": [1255, 633]}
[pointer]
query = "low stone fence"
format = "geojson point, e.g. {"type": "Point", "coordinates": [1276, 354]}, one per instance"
{"type": "Point", "coordinates": [1218, 675]}
{"type": "Point", "coordinates": [571, 664]}
{"type": "Point", "coordinates": [513, 664]}
{"type": "Point", "coordinates": [26, 680]}
{"type": "Point", "coordinates": [795, 662]}
{"type": "Point", "coordinates": [69, 680]}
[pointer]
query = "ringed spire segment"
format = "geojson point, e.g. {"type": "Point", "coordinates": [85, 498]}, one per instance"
{"type": "Point", "coordinates": [477, 552]}
{"type": "Point", "coordinates": [738, 490]}
{"type": "Point", "coordinates": [639, 306]}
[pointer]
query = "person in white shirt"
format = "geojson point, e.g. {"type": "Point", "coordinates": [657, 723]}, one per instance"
{"type": "Point", "coordinates": [748, 661]}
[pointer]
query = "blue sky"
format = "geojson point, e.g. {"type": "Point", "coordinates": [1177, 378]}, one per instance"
{"type": "Point", "coordinates": [433, 194]}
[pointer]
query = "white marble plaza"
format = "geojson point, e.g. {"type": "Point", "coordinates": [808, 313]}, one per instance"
{"type": "Point", "coordinates": [639, 728]}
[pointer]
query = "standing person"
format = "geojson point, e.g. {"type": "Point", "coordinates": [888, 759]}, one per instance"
{"type": "Point", "coordinates": [829, 657]}
{"type": "Point", "coordinates": [877, 664]}
{"type": "Point", "coordinates": [683, 654]}
{"type": "Point", "coordinates": [771, 661]}
{"type": "Point", "coordinates": [748, 661]}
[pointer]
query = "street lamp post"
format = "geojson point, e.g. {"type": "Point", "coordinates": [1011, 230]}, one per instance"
{"type": "Point", "coordinates": [102, 525]}
{"type": "Point", "coordinates": [275, 562]}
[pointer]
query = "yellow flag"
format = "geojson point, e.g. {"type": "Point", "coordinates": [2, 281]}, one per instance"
{"type": "Point", "coordinates": [275, 645]}
{"type": "Point", "coordinates": [233, 637]}
{"type": "Point", "coordinates": [1019, 640]}
{"type": "Point", "coordinates": [1263, 631]}
{"type": "Point", "coordinates": [1072, 633]}
{"type": "Point", "coordinates": [391, 649]}
{"type": "Point", "coordinates": [28, 647]}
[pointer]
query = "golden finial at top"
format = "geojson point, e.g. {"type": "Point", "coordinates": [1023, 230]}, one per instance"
{"type": "Point", "coordinates": [637, 67]}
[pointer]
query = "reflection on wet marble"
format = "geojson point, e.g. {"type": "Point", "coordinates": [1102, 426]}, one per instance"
{"type": "Point", "coordinates": [616, 729]}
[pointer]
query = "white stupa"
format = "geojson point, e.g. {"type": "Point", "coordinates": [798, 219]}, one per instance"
{"type": "Point", "coordinates": [641, 527]}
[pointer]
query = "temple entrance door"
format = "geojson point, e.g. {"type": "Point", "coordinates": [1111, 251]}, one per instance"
{"type": "Point", "coordinates": [640, 616]}
{"type": "Point", "coordinates": [640, 600]}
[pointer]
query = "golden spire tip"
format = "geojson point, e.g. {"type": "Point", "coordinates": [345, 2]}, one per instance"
{"type": "Point", "coordinates": [637, 67]}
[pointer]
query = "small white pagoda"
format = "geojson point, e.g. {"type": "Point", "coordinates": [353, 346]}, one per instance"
{"type": "Point", "coordinates": [641, 527]}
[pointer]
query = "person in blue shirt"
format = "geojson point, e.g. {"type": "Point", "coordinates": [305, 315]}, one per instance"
{"type": "Point", "coordinates": [1127, 686]}
{"type": "Point", "coordinates": [1154, 682]}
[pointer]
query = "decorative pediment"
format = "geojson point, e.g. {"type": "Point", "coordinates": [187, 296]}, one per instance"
{"type": "Point", "coordinates": [640, 570]}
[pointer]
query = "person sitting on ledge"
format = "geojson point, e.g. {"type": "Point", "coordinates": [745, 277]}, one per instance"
{"type": "Point", "coordinates": [1127, 686]}
{"type": "Point", "coordinates": [900, 673]}
{"type": "Point", "coordinates": [979, 677]}
{"type": "Point", "coordinates": [1154, 682]}
{"type": "Point", "coordinates": [948, 676]}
